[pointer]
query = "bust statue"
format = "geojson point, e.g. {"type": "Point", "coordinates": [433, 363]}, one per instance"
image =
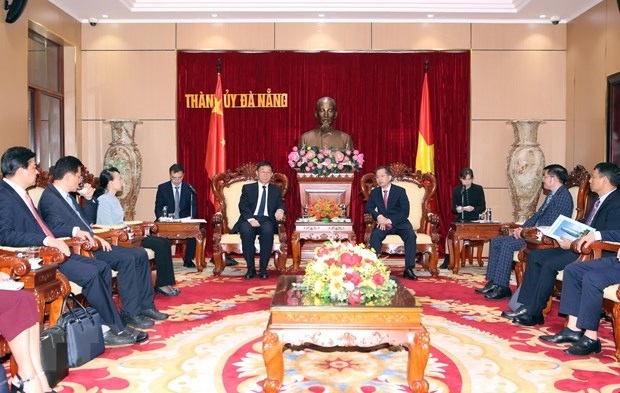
{"type": "Point", "coordinates": [325, 136]}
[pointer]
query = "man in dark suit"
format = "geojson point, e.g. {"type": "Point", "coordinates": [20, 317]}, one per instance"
{"type": "Point", "coordinates": [389, 205]}
{"type": "Point", "coordinates": [21, 226]}
{"type": "Point", "coordinates": [501, 250]}
{"type": "Point", "coordinates": [179, 200]}
{"type": "Point", "coordinates": [543, 265]}
{"type": "Point", "coordinates": [65, 217]}
{"type": "Point", "coordinates": [261, 208]}
{"type": "Point", "coordinates": [582, 297]}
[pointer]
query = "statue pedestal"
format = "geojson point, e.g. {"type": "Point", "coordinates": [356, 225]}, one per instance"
{"type": "Point", "coordinates": [335, 187]}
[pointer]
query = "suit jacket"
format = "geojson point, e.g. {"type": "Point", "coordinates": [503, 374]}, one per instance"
{"type": "Point", "coordinates": [188, 205]}
{"type": "Point", "coordinates": [60, 217]}
{"type": "Point", "coordinates": [18, 227]}
{"type": "Point", "coordinates": [397, 207]}
{"type": "Point", "coordinates": [474, 197]}
{"type": "Point", "coordinates": [608, 215]}
{"type": "Point", "coordinates": [561, 204]}
{"type": "Point", "coordinates": [249, 201]}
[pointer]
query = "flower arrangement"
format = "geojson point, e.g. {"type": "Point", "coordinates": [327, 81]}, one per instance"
{"type": "Point", "coordinates": [346, 273]}
{"type": "Point", "coordinates": [311, 159]}
{"type": "Point", "coordinates": [324, 210]}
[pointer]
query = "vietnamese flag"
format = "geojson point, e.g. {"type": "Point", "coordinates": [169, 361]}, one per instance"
{"type": "Point", "coordinates": [215, 161]}
{"type": "Point", "coordinates": [425, 157]}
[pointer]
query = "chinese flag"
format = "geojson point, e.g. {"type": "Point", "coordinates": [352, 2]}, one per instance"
{"type": "Point", "coordinates": [215, 161]}
{"type": "Point", "coordinates": [425, 157]}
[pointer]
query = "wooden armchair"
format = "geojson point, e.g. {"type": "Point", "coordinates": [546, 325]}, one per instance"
{"type": "Point", "coordinates": [420, 188]}
{"type": "Point", "coordinates": [578, 185]}
{"type": "Point", "coordinates": [227, 189]}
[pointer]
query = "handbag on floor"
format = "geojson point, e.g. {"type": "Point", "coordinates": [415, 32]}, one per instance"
{"type": "Point", "coordinates": [54, 356]}
{"type": "Point", "coordinates": [4, 384]}
{"type": "Point", "coordinates": [83, 327]}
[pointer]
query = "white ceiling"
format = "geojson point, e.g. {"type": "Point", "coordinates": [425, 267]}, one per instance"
{"type": "Point", "coordinates": [443, 11]}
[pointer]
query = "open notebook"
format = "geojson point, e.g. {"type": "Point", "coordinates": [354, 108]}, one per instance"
{"type": "Point", "coordinates": [567, 228]}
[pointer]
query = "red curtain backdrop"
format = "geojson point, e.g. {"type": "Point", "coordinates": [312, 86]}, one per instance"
{"type": "Point", "coordinates": [378, 97]}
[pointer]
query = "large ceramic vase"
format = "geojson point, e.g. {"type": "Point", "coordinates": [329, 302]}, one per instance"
{"type": "Point", "coordinates": [123, 154]}
{"type": "Point", "coordinates": [524, 168]}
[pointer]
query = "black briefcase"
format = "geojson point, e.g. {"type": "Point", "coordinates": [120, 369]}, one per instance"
{"type": "Point", "coordinates": [54, 354]}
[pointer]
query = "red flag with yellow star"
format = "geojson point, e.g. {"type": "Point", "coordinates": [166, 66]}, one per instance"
{"type": "Point", "coordinates": [425, 157]}
{"type": "Point", "coordinates": [215, 161]}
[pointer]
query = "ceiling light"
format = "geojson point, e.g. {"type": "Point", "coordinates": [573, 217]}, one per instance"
{"type": "Point", "coordinates": [104, 16]}
{"type": "Point", "coordinates": [543, 16]}
{"type": "Point", "coordinates": [430, 16]}
{"type": "Point", "coordinates": [321, 15]}
{"type": "Point", "coordinates": [214, 15]}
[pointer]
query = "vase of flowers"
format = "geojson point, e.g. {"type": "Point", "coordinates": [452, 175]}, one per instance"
{"type": "Point", "coordinates": [325, 162]}
{"type": "Point", "coordinates": [346, 273]}
{"type": "Point", "coordinates": [325, 210]}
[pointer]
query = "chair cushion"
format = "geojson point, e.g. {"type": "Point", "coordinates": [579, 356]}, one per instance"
{"type": "Point", "coordinates": [232, 195]}
{"type": "Point", "coordinates": [35, 194]}
{"type": "Point", "coordinates": [574, 192]}
{"type": "Point", "coordinates": [422, 238]}
{"type": "Point", "coordinates": [416, 197]}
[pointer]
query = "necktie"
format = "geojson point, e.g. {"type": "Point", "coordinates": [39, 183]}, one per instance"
{"type": "Point", "coordinates": [385, 198]}
{"type": "Point", "coordinates": [177, 199]}
{"type": "Point", "coordinates": [263, 201]}
{"type": "Point", "coordinates": [592, 213]}
{"type": "Point", "coordinates": [44, 227]}
{"type": "Point", "coordinates": [546, 203]}
{"type": "Point", "coordinates": [73, 205]}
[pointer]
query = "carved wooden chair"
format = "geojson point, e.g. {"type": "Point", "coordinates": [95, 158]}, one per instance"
{"type": "Point", "coordinates": [420, 188]}
{"type": "Point", "coordinates": [578, 185]}
{"type": "Point", "coordinates": [227, 189]}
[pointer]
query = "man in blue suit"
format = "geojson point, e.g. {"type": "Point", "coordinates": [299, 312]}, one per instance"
{"type": "Point", "coordinates": [543, 265]}
{"type": "Point", "coordinates": [582, 297]}
{"type": "Point", "coordinates": [168, 194]}
{"type": "Point", "coordinates": [261, 208]}
{"type": "Point", "coordinates": [21, 226]}
{"type": "Point", "coordinates": [501, 250]}
{"type": "Point", "coordinates": [65, 217]}
{"type": "Point", "coordinates": [389, 205]}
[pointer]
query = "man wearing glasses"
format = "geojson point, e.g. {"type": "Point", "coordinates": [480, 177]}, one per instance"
{"type": "Point", "coordinates": [178, 200]}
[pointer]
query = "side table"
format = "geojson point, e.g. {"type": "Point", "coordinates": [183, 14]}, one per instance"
{"type": "Point", "coordinates": [459, 231]}
{"type": "Point", "coordinates": [308, 234]}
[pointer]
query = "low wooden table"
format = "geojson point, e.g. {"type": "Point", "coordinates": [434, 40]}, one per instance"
{"type": "Point", "coordinates": [184, 230]}
{"type": "Point", "coordinates": [329, 326]}
{"type": "Point", "coordinates": [459, 231]}
{"type": "Point", "coordinates": [313, 233]}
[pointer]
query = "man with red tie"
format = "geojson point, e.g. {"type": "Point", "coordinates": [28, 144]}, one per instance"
{"type": "Point", "coordinates": [389, 205]}
{"type": "Point", "coordinates": [22, 226]}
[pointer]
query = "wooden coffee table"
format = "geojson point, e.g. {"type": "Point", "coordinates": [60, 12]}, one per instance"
{"type": "Point", "coordinates": [329, 326]}
{"type": "Point", "coordinates": [185, 230]}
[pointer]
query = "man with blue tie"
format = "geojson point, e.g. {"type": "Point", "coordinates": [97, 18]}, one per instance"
{"type": "Point", "coordinates": [543, 265]}
{"type": "Point", "coordinates": [501, 249]}
{"type": "Point", "coordinates": [65, 217]}
{"type": "Point", "coordinates": [389, 206]}
{"type": "Point", "coordinates": [178, 199]}
{"type": "Point", "coordinates": [261, 208]}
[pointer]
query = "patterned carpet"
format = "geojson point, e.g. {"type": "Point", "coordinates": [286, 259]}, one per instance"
{"type": "Point", "coordinates": [212, 343]}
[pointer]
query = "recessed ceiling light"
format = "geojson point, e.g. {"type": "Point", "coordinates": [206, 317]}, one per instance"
{"type": "Point", "coordinates": [430, 16]}
{"type": "Point", "coordinates": [214, 15]}
{"type": "Point", "coordinates": [321, 15]}
{"type": "Point", "coordinates": [543, 16]}
{"type": "Point", "coordinates": [104, 15]}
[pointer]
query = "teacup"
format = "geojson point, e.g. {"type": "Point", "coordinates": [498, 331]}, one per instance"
{"type": "Point", "coordinates": [35, 263]}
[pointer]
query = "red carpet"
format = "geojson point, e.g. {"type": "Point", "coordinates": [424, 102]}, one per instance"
{"type": "Point", "coordinates": [212, 343]}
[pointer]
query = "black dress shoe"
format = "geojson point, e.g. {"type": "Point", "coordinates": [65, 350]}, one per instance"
{"type": "Point", "coordinates": [514, 314]}
{"type": "Point", "coordinates": [529, 320]}
{"type": "Point", "coordinates": [498, 292]}
{"type": "Point", "coordinates": [263, 275]}
{"type": "Point", "coordinates": [584, 347]}
{"type": "Point", "coordinates": [154, 314]}
{"type": "Point", "coordinates": [231, 262]}
{"type": "Point", "coordinates": [409, 274]}
{"type": "Point", "coordinates": [113, 339]}
{"type": "Point", "coordinates": [137, 335]}
{"type": "Point", "coordinates": [566, 335]}
{"type": "Point", "coordinates": [188, 264]}
{"type": "Point", "coordinates": [488, 287]}
{"type": "Point", "coordinates": [250, 274]}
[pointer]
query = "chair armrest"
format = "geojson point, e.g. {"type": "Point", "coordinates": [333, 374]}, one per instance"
{"type": "Point", "coordinates": [595, 250]}
{"type": "Point", "coordinates": [14, 265]}
{"type": "Point", "coordinates": [218, 221]}
{"type": "Point", "coordinates": [48, 254]}
{"type": "Point", "coordinates": [432, 227]}
{"type": "Point", "coordinates": [113, 235]}
{"type": "Point", "coordinates": [82, 247]}
{"type": "Point", "coordinates": [506, 227]}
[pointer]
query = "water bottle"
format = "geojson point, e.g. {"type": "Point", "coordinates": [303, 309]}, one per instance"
{"type": "Point", "coordinates": [490, 215]}
{"type": "Point", "coordinates": [164, 212]}
{"type": "Point", "coordinates": [305, 212]}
